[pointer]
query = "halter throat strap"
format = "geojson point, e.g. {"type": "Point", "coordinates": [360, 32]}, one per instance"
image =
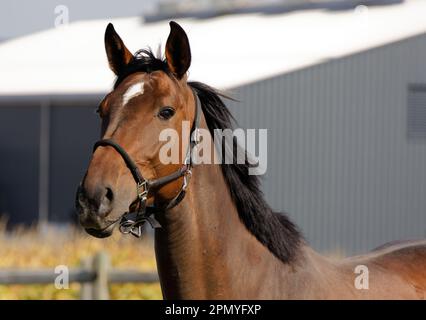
{"type": "Point", "coordinates": [132, 222]}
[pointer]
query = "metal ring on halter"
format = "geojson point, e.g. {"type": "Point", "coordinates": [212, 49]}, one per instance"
{"type": "Point", "coordinates": [128, 226]}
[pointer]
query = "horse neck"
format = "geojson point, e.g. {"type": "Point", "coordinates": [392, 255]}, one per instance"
{"type": "Point", "coordinates": [205, 251]}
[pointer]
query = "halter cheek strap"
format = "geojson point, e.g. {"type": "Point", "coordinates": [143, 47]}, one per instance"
{"type": "Point", "coordinates": [132, 222]}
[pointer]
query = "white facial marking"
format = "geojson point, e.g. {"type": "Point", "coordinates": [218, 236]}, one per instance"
{"type": "Point", "coordinates": [133, 91]}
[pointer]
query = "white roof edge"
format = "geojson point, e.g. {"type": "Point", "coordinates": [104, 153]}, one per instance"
{"type": "Point", "coordinates": [228, 51]}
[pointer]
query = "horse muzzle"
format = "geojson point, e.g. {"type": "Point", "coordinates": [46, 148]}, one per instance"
{"type": "Point", "coordinates": [94, 215]}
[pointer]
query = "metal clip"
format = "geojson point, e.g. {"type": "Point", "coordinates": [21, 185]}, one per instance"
{"type": "Point", "coordinates": [136, 231]}
{"type": "Point", "coordinates": [186, 179]}
{"type": "Point", "coordinates": [132, 227]}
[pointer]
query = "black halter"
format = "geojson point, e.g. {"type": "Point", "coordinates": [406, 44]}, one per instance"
{"type": "Point", "coordinates": [132, 222]}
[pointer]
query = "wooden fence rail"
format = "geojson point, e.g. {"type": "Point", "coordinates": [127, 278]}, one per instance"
{"type": "Point", "coordinates": [94, 274]}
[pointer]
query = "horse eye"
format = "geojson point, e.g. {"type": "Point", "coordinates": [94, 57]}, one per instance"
{"type": "Point", "coordinates": [166, 113]}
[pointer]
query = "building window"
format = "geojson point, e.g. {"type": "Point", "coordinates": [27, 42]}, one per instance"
{"type": "Point", "coordinates": [416, 116]}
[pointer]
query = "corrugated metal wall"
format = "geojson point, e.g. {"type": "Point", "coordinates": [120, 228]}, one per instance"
{"type": "Point", "coordinates": [339, 161]}
{"type": "Point", "coordinates": [19, 163]}
{"type": "Point", "coordinates": [67, 155]}
{"type": "Point", "coordinates": [70, 153]}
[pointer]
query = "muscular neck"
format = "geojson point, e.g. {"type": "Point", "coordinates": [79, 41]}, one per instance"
{"type": "Point", "coordinates": [204, 251]}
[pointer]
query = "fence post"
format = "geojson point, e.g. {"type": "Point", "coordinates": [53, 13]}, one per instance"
{"type": "Point", "coordinates": [101, 268]}
{"type": "Point", "coordinates": [86, 291]}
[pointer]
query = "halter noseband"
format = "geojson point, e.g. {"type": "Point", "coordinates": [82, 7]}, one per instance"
{"type": "Point", "coordinates": [132, 222]}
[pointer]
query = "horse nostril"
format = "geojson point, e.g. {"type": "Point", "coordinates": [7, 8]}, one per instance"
{"type": "Point", "coordinates": [105, 202]}
{"type": "Point", "coordinates": [80, 199]}
{"type": "Point", "coordinates": [109, 194]}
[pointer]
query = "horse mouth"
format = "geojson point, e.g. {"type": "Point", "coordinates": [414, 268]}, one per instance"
{"type": "Point", "coordinates": [102, 233]}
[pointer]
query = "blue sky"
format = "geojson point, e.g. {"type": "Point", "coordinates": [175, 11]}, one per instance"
{"type": "Point", "coordinates": [20, 17]}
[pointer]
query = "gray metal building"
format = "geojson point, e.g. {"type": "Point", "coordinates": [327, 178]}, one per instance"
{"type": "Point", "coordinates": [344, 158]}
{"type": "Point", "coordinates": [45, 145]}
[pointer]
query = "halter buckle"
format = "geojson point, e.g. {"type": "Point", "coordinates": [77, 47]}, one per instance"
{"type": "Point", "coordinates": [142, 190]}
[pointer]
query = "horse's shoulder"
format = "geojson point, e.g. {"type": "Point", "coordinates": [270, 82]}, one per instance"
{"type": "Point", "coordinates": [401, 251]}
{"type": "Point", "coordinates": [404, 259]}
{"type": "Point", "coordinates": [396, 255]}
{"type": "Point", "coordinates": [400, 244]}
{"type": "Point", "coordinates": [407, 259]}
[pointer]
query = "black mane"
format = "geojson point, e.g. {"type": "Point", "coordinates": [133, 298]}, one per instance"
{"type": "Point", "coordinates": [274, 230]}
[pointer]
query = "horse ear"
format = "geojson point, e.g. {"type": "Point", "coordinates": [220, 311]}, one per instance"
{"type": "Point", "coordinates": [118, 55]}
{"type": "Point", "coordinates": [178, 53]}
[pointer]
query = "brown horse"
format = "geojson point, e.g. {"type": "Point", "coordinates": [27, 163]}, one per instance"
{"type": "Point", "coordinates": [218, 238]}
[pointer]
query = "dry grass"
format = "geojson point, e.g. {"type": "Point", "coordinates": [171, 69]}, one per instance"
{"type": "Point", "coordinates": [31, 248]}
